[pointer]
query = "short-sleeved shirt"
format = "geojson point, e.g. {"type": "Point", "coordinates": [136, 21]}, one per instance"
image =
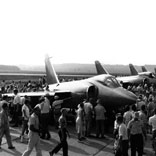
{"type": "Point", "coordinates": [152, 122]}
{"type": "Point", "coordinates": [135, 126]}
{"type": "Point", "coordinates": [17, 100]}
{"type": "Point", "coordinates": [46, 106]}
{"type": "Point", "coordinates": [99, 112]}
{"type": "Point", "coordinates": [123, 132]}
{"type": "Point", "coordinates": [143, 117]}
{"type": "Point", "coordinates": [26, 109]}
{"type": "Point", "coordinates": [22, 100]}
{"type": "Point", "coordinates": [33, 120]}
{"type": "Point", "coordinates": [88, 108]}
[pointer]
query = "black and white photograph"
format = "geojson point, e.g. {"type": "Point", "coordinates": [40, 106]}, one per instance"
{"type": "Point", "coordinates": [77, 78]}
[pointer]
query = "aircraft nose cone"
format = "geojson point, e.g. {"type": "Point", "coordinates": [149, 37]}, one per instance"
{"type": "Point", "coordinates": [127, 97]}
{"type": "Point", "coordinates": [131, 97]}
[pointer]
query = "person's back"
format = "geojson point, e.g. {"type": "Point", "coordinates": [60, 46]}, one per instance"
{"type": "Point", "coordinates": [99, 112]}
{"type": "Point", "coordinates": [46, 106]}
{"type": "Point", "coordinates": [140, 103]}
{"type": "Point", "coordinates": [33, 120]}
{"type": "Point", "coordinates": [88, 110]}
{"type": "Point", "coordinates": [127, 115]}
{"type": "Point", "coordinates": [150, 107]}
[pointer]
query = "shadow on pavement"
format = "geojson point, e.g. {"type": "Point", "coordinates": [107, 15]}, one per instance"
{"type": "Point", "coordinates": [11, 152]}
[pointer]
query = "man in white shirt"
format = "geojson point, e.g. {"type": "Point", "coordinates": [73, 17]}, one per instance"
{"type": "Point", "coordinates": [17, 108]}
{"type": "Point", "coordinates": [25, 116]}
{"type": "Point", "coordinates": [45, 110]}
{"type": "Point", "coordinates": [123, 136]}
{"type": "Point", "coordinates": [127, 115]}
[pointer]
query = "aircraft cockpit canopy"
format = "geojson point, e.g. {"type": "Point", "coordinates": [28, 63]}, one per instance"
{"type": "Point", "coordinates": [108, 81]}
{"type": "Point", "coordinates": [111, 82]}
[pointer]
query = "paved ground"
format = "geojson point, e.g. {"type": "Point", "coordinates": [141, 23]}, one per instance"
{"type": "Point", "coordinates": [90, 147]}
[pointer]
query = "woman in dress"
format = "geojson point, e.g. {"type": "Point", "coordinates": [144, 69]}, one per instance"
{"type": "Point", "coordinates": [80, 124]}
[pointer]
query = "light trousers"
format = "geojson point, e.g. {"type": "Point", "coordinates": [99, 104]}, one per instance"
{"type": "Point", "coordinates": [34, 141]}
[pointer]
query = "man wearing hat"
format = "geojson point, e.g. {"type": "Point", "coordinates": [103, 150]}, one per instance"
{"type": "Point", "coordinates": [136, 131]}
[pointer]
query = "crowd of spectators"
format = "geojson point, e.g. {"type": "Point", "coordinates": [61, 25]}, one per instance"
{"type": "Point", "coordinates": [135, 122]}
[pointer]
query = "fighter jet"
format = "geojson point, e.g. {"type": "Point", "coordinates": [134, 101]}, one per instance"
{"type": "Point", "coordinates": [136, 77]}
{"type": "Point", "coordinates": [147, 76]}
{"type": "Point", "coordinates": [103, 86]}
{"type": "Point", "coordinates": [145, 70]}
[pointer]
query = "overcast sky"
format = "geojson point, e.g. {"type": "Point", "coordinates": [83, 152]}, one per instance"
{"type": "Point", "coordinates": [111, 31]}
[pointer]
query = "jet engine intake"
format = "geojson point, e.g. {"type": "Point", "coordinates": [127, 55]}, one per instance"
{"type": "Point", "coordinates": [92, 92]}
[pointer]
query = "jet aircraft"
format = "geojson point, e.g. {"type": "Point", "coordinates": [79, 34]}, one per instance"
{"type": "Point", "coordinates": [145, 70]}
{"type": "Point", "coordinates": [147, 76]}
{"type": "Point", "coordinates": [103, 86]}
{"type": "Point", "coordinates": [136, 77]}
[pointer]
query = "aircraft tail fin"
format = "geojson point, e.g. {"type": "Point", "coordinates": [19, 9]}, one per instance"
{"type": "Point", "coordinates": [100, 69]}
{"type": "Point", "coordinates": [50, 72]}
{"type": "Point", "coordinates": [133, 70]}
{"type": "Point", "coordinates": [144, 69]}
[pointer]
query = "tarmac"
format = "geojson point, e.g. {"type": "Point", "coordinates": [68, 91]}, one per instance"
{"type": "Point", "coordinates": [92, 146]}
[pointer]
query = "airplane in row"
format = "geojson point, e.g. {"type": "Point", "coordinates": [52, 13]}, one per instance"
{"type": "Point", "coordinates": [145, 70]}
{"type": "Point", "coordinates": [135, 78]}
{"type": "Point", "coordinates": [103, 86]}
